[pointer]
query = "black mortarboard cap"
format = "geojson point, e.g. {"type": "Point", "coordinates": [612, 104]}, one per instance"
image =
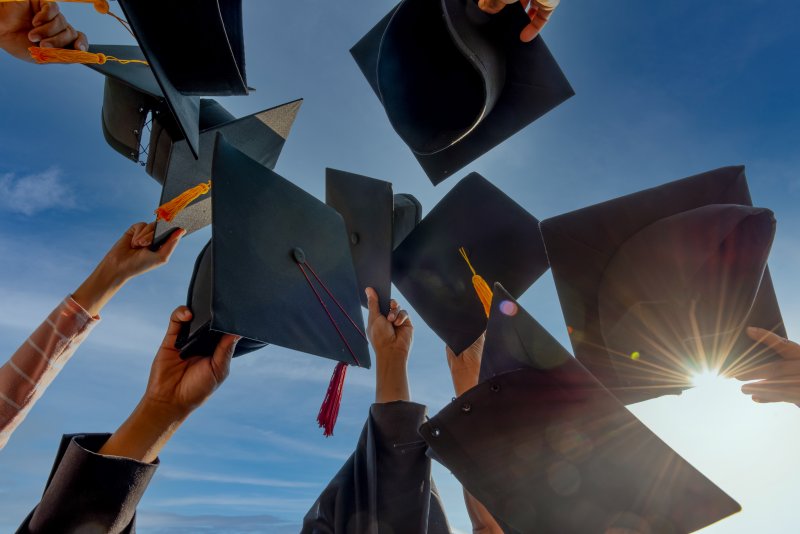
{"type": "Point", "coordinates": [659, 285]}
{"type": "Point", "coordinates": [197, 48]}
{"type": "Point", "coordinates": [546, 448]}
{"type": "Point", "coordinates": [456, 82]}
{"type": "Point", "coordinates": [502, 242]}
{"type": "Point", "coordinates": [377, 221]}
{"type": "Point", "coordinates": [260, 136]}
{"type": "Point", "coordinates": [150, 79]}
{"type": "Point", "coordinates": [280, 270]}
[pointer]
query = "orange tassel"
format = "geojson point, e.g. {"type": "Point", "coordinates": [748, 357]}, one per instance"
{"type": "Point", "coordinates": [169, 210]}
{"type": "Point", "coordinates": [329, 411]}
{"type": "Point", "coordinates": [63, 55]}
{"type": "Point", "coordinates": [481, 287]}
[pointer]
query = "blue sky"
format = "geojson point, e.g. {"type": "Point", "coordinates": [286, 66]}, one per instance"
{"type": "Point", "coordinates": [664, 90]}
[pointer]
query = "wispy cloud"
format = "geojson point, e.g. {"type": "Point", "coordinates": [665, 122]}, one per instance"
{"type": "Point", "coordinates": [33, 193]}
{"type": "Point", "coordinates": [156, 523]}
{"type": "Point", "coordinates": [239, 501]}
{"type": "Point", "coordinates": [175, 474]}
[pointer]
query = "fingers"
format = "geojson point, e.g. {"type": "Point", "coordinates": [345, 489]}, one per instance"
{"type": "Point", "coordinates": [48, 12]}
{"type": "Point", "coordinates": [491, 6]}
{"type": "Point", "coordinates": [788, 349]}
{"type": "Point", "coordinates": [81, 43]}
{"type": "Point", "coordinates": [539, 18]}
{"type": "Point", "coordinates": [772, 370]}
{"type": "Point", "coordinates": [402, 319]}
{"type": "Point", "coordinates": [774, 391]}
{"type": "Point", "coordinates": [181, 315]}
{"type": "Point", "coordinates": [139, 233]}
{"type": "Point", "coordinates": [165, 252]}
{"type": "Point", "coordinates": [372, 304]}
{"type": "Point", "coordinates": [394, 309]}
{"type": "Point", "coordinates": [221, 359]}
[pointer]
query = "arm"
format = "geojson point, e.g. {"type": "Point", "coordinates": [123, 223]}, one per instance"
{"type": "Point", "coordinates": [36, 22]}
{"type": "Point", "coordinates": [776, 381]}
{"type": "Point", "coordinates": [465, 371]}
{"type": "Point", "coordinates": [28, 373]}
{"type": "Point", "coordinates": [539, 12]}
{"type": "Point", "coordinates": [391, 338]}
{"type": "Point", "coordinates": [99, 480]}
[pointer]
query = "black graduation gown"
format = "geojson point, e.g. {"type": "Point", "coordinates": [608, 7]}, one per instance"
{"type": "Point", "coordinates": [385, 487]}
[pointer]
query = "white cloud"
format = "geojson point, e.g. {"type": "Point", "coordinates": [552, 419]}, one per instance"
{"type": "Point", "coordinates": [174, 474]}
{"type": "Point", "coordinates": [33, 193]}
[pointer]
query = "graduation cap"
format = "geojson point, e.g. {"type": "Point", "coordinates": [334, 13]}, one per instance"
{"type": "Point", "coordinates": [478, 222]}
{"type": "Point", "coordinates": [377, 221]}
{"type": "Point", "coordinates": [456, 82]}
{"type": "Point", "coordinates": [278, 271]}
{"type": "Point", "coordinates": [260, 136]}
{"type": "Point", "coordinates": [546, 448]}
{"type": "Point", "coordinates": [185, 109]}
{"type": "Point", "coordinates": [659, 285]}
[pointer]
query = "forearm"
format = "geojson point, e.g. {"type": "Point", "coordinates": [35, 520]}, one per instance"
{"type": "Point", "coordinates": [28, 373]}
{"type": "Point", "coordinates": [391, 382]}
{"type": "Point", "coordinates": [145, 433]}
{"type": "Point", "coordinates": [99, 288]}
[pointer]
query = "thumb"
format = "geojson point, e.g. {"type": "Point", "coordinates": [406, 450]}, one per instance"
{"type": "Point", "coordinates": [221, 359]}
{"type": "Point", "coordinates": [169, 246]}
{"type": "Point", "coordinates": [372, 304]}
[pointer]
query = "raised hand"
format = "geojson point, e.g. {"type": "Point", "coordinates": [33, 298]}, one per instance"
{"type": "Point", "coordinates": [391, 338]}
{"type": "Point", "coordinates": [538, 11]}
{"type": "Point", "coordinates": [129, 257]}
{"type": "Point", "coordinates": [175, 389]}
{"type": "Point", "coordinates": [776, 381]}
{"type": "Point", "coordinates": [465, 368]}
{"type": "Point", "coordinates": [36, 23]}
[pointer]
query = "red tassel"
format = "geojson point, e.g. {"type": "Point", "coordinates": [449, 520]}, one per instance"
{"type": "Point", "coordinates": [329, 411]}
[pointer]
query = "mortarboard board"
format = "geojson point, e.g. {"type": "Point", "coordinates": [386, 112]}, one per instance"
{"type": "Point", "coordinates": [546, 448]}
{"type": "Point", "coordinates": [185, 109]}
{"type": "Point", "coordinates": [278, 269]}
{"type": "Point", "coordinates": [502, 241]}
{"type": "Point", "coordinates": [377, 221]}
{"type": "Point", "coordinates": [260, 136]}
{"type": "Point", "coordinates": [658, 285]}
{"type": "Point", "coordinates": [456, 82]}
{"type": "Point", "coordinates": [198, 49]}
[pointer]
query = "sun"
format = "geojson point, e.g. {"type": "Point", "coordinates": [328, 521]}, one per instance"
{"type": "Point", "coordinates": [708, 378]}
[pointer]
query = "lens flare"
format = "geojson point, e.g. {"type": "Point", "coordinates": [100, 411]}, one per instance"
{"type": "Point", "coordinates": [508, 308]}
{"type": "Point", "coordinates": [708, 378]}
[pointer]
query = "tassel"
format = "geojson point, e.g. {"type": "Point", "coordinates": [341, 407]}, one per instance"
{"type": "Point", "coordinates": [481, 287]}
{"type": "Point", "coordinates": [169, 210]}
{"type": "Point", "coordinates": [63, 55]}
{"type": "Point", "coordinates": [329, 411]}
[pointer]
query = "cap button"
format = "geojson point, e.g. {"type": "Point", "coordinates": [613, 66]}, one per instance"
{"type": "Point", "coordinates": [298, 255]}
{"type": "Point", "coordinates": [354, 238]}
{"type": "Point", "coordinates": [495, 388]}
{"type": "Point", "coordinates": [466, 407]}
{"type": "Point", "coordinates": [436, 432]}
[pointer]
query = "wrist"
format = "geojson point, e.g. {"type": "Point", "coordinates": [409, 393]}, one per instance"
{"type": "Point", "coordinates": [463, 380]}
{"type": "Point", "coordinates": [95, 292]}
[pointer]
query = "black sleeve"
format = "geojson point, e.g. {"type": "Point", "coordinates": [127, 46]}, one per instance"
{"type": "Point", "coordinates": [385, 486]}
{"type": "Point", "coordinates": [89, 492]}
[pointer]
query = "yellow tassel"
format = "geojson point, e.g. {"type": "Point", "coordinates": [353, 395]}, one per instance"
{"type": "Point", "coordinates": [168, 211]}
{"type": "Point", "coordinates": [63, 55]}
{"type": "Point", "coordinates": [481, 287]}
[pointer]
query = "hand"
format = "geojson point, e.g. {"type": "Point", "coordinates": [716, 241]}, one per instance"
{"type": "Point", "coordinates": [129, 257]}
{"type": "Point", "coordinates": [391, 338]}
{"type": "Point", "coordinates": [181, 386]}
{"type": "Point", "coordinates": [777, 381]}
{"type": "Point", "coordinates": [465, 369]}
{"type": "Point", "coordinates": [36, 22]}
{"type": "Point", "coordinates": [175, 389]}
{"type": "Point", "coordinates": [539, 12]}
